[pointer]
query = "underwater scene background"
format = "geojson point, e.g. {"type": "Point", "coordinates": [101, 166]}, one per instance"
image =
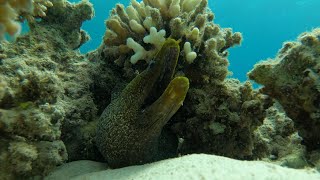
{"type": "Point", "coordinates": [265, 25]}
{"type": "Point", "coordinates": [151, 91]}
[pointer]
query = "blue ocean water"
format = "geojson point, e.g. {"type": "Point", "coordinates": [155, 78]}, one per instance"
{"type": "Point", "coordinates": [265, 25]}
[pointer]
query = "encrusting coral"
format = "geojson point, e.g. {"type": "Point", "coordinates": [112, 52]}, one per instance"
{"type": "Point", "coordinates": [129, 129]}
{"type": "Point", "coordinates": [12, 10]}
{"type": "Point", "coordinates": [44, 90]}
{"type": "Point", "coordinates": [293, 79]}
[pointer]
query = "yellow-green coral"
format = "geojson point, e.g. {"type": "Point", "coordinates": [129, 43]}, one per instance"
{"type": "Point", "coordinates": [129, 127]}
{"type": "Point", "coordinates": [11, 9]}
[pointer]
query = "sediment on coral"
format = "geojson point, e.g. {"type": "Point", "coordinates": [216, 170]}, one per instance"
{"type": "Point", "coordinates": [292, 78]}
{"type": "Point", "coordinates": [44, 92]}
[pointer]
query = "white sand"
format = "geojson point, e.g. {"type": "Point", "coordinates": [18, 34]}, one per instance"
{"type": "Point", "coordinates": [196, 166]}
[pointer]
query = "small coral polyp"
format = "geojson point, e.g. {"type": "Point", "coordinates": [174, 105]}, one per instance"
{"type": "Point", "coordinates": [135, 33]}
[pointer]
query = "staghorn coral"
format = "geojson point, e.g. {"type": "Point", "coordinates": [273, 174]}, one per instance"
{"type": "Point", "coordinates": [293, 79]}
{"type": "Point", "coordinates": [11, 10]}
{"type": "Point", "coordinates": [44, 92]}
{"type": "Point", "coordinates": [129, 129]}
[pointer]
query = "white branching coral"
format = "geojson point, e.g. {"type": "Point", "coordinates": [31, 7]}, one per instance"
{"type": "Point", "coordinates": [140, 52]}
{"type": "Point", "coordinates": [137, 31]}
{"type": "Point", "coordinates": [190, 55]}
{"type": "Point", "coordinates": [7, 20]}
{"type": "Point", "coordinates": [11, 9]}
{"type": "Point", "coordinates": [40, 7]}
{"type": "Point", "coordinates": [155, 38]}
{"type": "Point", "coordinates": [188, 5]}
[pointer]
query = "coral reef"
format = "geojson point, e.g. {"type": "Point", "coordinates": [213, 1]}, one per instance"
{"type": "Point", "coordinates": [215, 109]}
{"type": "Point", "coordinates": [129, 129]}
{"type": "Point", "coordinates": [220, 119]}
{"type": "Point", "coordinates": [137, 32]}
{"type": "Point", "coordinates": [277, 141]}
{"type": "Point", "coordinates": [122, 103]}
{"type": "Point", "coordinates": [293, 79]}
{"type": "Point", "coordinates": [11, 10]}
{"type": "Point", "coordinates": [44, 88]}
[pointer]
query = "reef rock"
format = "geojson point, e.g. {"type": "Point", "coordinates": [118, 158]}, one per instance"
{"type": "Point", "coordinates": [43, 84]}
{"type": "Point", "coordinates": [293, 79]}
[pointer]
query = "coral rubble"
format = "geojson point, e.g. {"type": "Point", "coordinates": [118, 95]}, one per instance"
{"type": "Point", "coordinates": [43, 86]}
{"type": "Point", "coordinates": [293, 79]}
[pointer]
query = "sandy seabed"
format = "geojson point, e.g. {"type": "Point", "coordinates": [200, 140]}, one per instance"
{"type": "Point", "coordinates": [196, 166]}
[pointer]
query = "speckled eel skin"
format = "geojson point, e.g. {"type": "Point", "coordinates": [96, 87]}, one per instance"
{"type": "Point", "coordinates": [129, 129]}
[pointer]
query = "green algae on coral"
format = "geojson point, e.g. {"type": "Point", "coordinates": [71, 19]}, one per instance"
{"type": "Point", "coordinates": [128, 133]}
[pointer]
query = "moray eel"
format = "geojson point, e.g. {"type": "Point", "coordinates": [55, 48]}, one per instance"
{"type": "Point", "coordinates": [128, 130]}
